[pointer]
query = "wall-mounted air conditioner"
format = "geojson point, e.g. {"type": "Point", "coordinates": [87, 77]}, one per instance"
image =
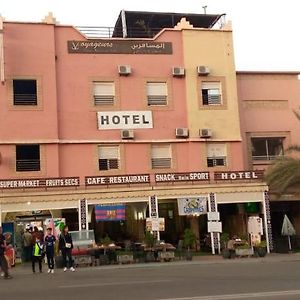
{"type": "Point", "coordinates": [182, 132]}
{"type": "Point", "coordinates": [205, 133]}
{"type": "Point", "coordinates": [178, 71]}
{"type": "Point", "coordinates": [127, 134]}
{"type": "Point", "coordinates": [124, 70]}
{"type": "Point", "coordinates": [202, 70]}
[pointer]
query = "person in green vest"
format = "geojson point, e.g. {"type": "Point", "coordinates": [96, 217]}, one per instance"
{"type": "Point", "coordinates": [37, 254]}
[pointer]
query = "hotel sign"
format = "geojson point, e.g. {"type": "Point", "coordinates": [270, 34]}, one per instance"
{"type": "Point", "coordinates": [119, 47]}
{"type": "Point", "coordinates": [124, 119]}
{"type": "Point", "coordinates": [239, 175]}
{"type": "Point", "coordinates": [39, 183]}
{"type": "Point", "coordinates": [177, 177]}
{"type": "Point", "coordinates": [125, 179]}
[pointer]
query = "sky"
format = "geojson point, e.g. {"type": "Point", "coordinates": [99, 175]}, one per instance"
{"type": "Point", "coordinates": [266, 32]}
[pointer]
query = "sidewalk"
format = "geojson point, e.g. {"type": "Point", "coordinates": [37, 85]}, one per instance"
{"type": "Point", "coordinates": [197, 260]}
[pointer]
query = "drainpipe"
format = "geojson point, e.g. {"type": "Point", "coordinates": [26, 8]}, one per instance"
{"type": "Point", "coordinates": [2, 77]}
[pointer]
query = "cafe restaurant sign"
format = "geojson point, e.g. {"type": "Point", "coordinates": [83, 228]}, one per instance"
{"type": "Point", "coordinates": [124, 119]}
{"type": "Point", "coordinates": [177, 177]}
{"type": "Point", "coordinates": [119, 47]}
{"type": "Point", "coordinates": [125, 179]}
{"type": "Point", "coordinates": [39, 183]}
{"type": "Point", "coordinates": [239, 175]}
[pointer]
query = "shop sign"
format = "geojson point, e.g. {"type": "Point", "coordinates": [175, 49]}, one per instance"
{"type": "Point", "coordinates": [214, 226]}
{"type": "Point", "coordinates": [156, 224]}
{"type": "Point", "coordinates": [192, 206]}
{"type": "Point", "coordinates": [119, 47]}
{"type": "Point", "coordinates": [153, 207]}
{"type": "Point", "coordinates": [122, 179]}
{"type": "Point", "coordinates": [255, 225]}
{"type": "Point", "coordinates": [239, 175]}
{"type": "Point", "coordinates": [124, 119]}
{"type": "Point", "coordinates": [39, 183]}
{"type": "Point", "coordinates": [175, 177]}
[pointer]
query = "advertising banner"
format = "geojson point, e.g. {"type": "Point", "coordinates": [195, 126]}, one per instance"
{"type": "Point", "coordinates": [157, 224]}
{"type": "Point", "coordinates": [192, 206]}
{"type": "Point", "coordinates": [110, 212]}
{"type": "Point", "coordinates": [56, 224]}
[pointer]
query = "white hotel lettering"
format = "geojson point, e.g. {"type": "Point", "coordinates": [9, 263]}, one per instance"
{"type": "Point", "coordinates": [238, 175]}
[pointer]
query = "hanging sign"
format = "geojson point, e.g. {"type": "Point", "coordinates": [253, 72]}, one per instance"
{"type": "Point", "coordinates": [192, 206]}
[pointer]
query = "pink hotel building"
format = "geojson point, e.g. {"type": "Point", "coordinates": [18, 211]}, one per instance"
{"type": "Point", "coordinates": [154, 110]}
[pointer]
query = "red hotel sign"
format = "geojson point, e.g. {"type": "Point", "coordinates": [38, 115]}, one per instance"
{"type": "Point", "coordinates": [239, 175]}
{"type": "Point", "coordinates": [177, 177]}
{"type": "Point", "coordinates": [122, 179]}
{"type": "Point", "coordinates": [39, 183]}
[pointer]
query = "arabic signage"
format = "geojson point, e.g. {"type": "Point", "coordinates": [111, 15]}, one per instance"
{"type": "Point", "coordinates": [153, 207]}
{"type": "Point", "coordinates": [124, 119]}
{"type": "Point", "coordinates": [192, 206]}
{"type": "Point", "coordinates": [39, 183]}
{"type": "Point", "coordinates": [174, 177]}
{"type": "Point", "coordinates": [123, 179]}
{"type": "Point", "coordinates": [119, 47]}
{"type": "Point", "coordinates": [239, 175]}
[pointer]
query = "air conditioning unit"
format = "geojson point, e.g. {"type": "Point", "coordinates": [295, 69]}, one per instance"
{"type": "Point", "coordinates": [124, 70]}
{"type": "Point", "coordinates": [127, 134]}
{"type": "Point", "coordinates": [205, 133]}
{"type": "Point", "coordinates": [182, 132]}
{"type": "Point", "coordinates": [202, 70]}
{"type": "Point", "coordinates": [178, 71]}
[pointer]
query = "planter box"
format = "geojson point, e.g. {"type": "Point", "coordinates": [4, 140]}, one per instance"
{"type": "Point", "coordinates": [244, 252]}
{"type": "Point", "coordinates": [125, 259]}
{"type": "Point", "coordinates": [82, 260]}
{"type": "Point", "coordinates": [166, 256]}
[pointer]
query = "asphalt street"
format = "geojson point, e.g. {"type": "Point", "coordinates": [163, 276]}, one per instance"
{"type": "Point", "coordinates": [238, 279]}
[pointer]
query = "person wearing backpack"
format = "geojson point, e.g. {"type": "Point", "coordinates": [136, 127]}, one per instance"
{"type": "Point", "coordinates": [37, 254]}
{"type": "Point", "coordinates": [65, 245]}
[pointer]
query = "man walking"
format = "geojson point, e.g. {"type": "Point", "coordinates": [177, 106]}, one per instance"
{"type": "Point", "coordinates": [3, 261]}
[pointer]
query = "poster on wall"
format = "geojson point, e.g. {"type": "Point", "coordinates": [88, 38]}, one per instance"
{"type": "Point", "coordinates": [110, 212]}
{"type": "Point", "coordinates": [156, 224]}
{"type": "Point", "coordinates": [56, 224]}
{"type": "Point", "coordinates": [192, 206]}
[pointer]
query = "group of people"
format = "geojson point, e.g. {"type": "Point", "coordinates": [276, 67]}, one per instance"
{"type": "Point", "coordinates": [37, 246]}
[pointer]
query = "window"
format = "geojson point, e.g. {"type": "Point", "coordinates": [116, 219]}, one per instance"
{"type": "Point", "coordinates": [266, 148]}
{"type": "Point", "coordinates": [157, 93]}
{"type": "Point", "coordinates": [109, 158]}
{"type": "Point", "coordinates": [104, 93]}
{"type": "Point", "coordinates": [211, 93]}
{"type": "Point", "coordinates": [216, 155]}
{"type": "Point", "coordinates": [24, 92]}
{"type": "Point", "coordinates": [28, 158]}
{"type": "Point", "coordinates": [161, 157]}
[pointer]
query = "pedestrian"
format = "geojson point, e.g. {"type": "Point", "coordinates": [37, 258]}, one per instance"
{"type": "Point", "coordinates": [65, 246]}
{"type": "Point", "coordinates": [3, 261]}
{"type": "Point", "coordinates": [27, 242]}
{"type": "Point", "coordinates": [49, 243]}
{"type": "Point", "coordinates": [37, 254]}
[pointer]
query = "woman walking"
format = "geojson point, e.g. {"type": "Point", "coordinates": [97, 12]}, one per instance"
{"type": "Point", "coordinates": [65, 245]}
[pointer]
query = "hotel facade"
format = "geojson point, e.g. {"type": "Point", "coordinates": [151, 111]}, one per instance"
{"type": "Point", "coordinates": [153, 116]}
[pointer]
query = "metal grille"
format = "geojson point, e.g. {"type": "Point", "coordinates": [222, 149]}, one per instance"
{"type": "Point", "coordinates": [216, 161]}
{"type": "Point", "coordinates": [211, 99]}
{"type": "Point", "coordinates": [103, 100]}
{"type": "Point", "coordinates": [269, 225]}
{"type": "Point", "coordinates": [108, 164]}
{"type": "Point", "coordinates": [161, 163]}
{"type": "Point", "coordinates": [157, 100]}
{"type": "Point", "coordinates": [25, 99]}
{"type": "Point", "coordinates": [25, 165]}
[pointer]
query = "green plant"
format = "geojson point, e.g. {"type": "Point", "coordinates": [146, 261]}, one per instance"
{"type": "Point", "coordinates": [149, 239]}
{"type": "Point", "coordinates": [262, 244]}
{"type": "Point", "coordinates": [224, 238]}
{"type": "Point", "coordinates": [106, 241]}
{"type": "Point", "coordinates": [244, 246]}
{"type": "Point", "coordinates": [189, 238]}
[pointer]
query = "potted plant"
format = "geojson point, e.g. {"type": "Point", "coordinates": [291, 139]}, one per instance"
{"type": "Point", "coordinates": [149, 242]}
{"type": "Point", "coordinates": [224, 238]}
{"type": "Point", "coordinates": [244, 250]}
{"type": "Point", "coordinates": [189, 239]}
{"type": "Point", "coordinates": [260, 249]}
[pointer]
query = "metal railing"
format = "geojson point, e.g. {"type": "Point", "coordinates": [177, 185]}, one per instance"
{"type": "Point", "coordinates": [25, 165]}
{"type": "Point", "coordinates": [265, 157]}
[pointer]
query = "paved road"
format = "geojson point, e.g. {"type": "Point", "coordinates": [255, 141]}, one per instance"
{"type": "Point", "coordinates": [244, 279]}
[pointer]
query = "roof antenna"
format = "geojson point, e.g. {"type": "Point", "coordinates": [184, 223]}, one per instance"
{"type": "Point", "coordinates": [204, 8]}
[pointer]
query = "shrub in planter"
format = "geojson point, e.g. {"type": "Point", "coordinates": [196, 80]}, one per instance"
{"type": "Point", "coordinates": [260, 249]}
{"type": "Point", "coordinates": [189, 240]}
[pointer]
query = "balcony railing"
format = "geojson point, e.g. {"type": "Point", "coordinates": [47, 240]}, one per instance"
{"type": "Point", "coordinates": [27, 165]}
{"type": "Point", "coordinates": [265, 157]}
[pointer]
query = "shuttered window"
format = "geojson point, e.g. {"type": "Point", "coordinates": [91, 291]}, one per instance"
{"type": "Point", "coordinates": [216, 155]}
{"type": "Point", "coordinates": [161, 157]}
{"type": "Point", "coordinates": [211, 93]}
{"type": "Point", "coordinates": [25, 92]}
{"type": "Point", "coordinates": [109, 158]}
{"type": "Point", "coordinates": [157, 93]}
{"type": "Point", "coordinates": [104, 93]}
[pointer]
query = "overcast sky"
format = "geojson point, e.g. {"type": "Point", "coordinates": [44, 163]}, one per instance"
{"type": "Point", "coordinates": [266, 32]}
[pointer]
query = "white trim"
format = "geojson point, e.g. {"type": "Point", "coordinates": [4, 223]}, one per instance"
{"type": "Point", "coordinates": [265, 222]}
